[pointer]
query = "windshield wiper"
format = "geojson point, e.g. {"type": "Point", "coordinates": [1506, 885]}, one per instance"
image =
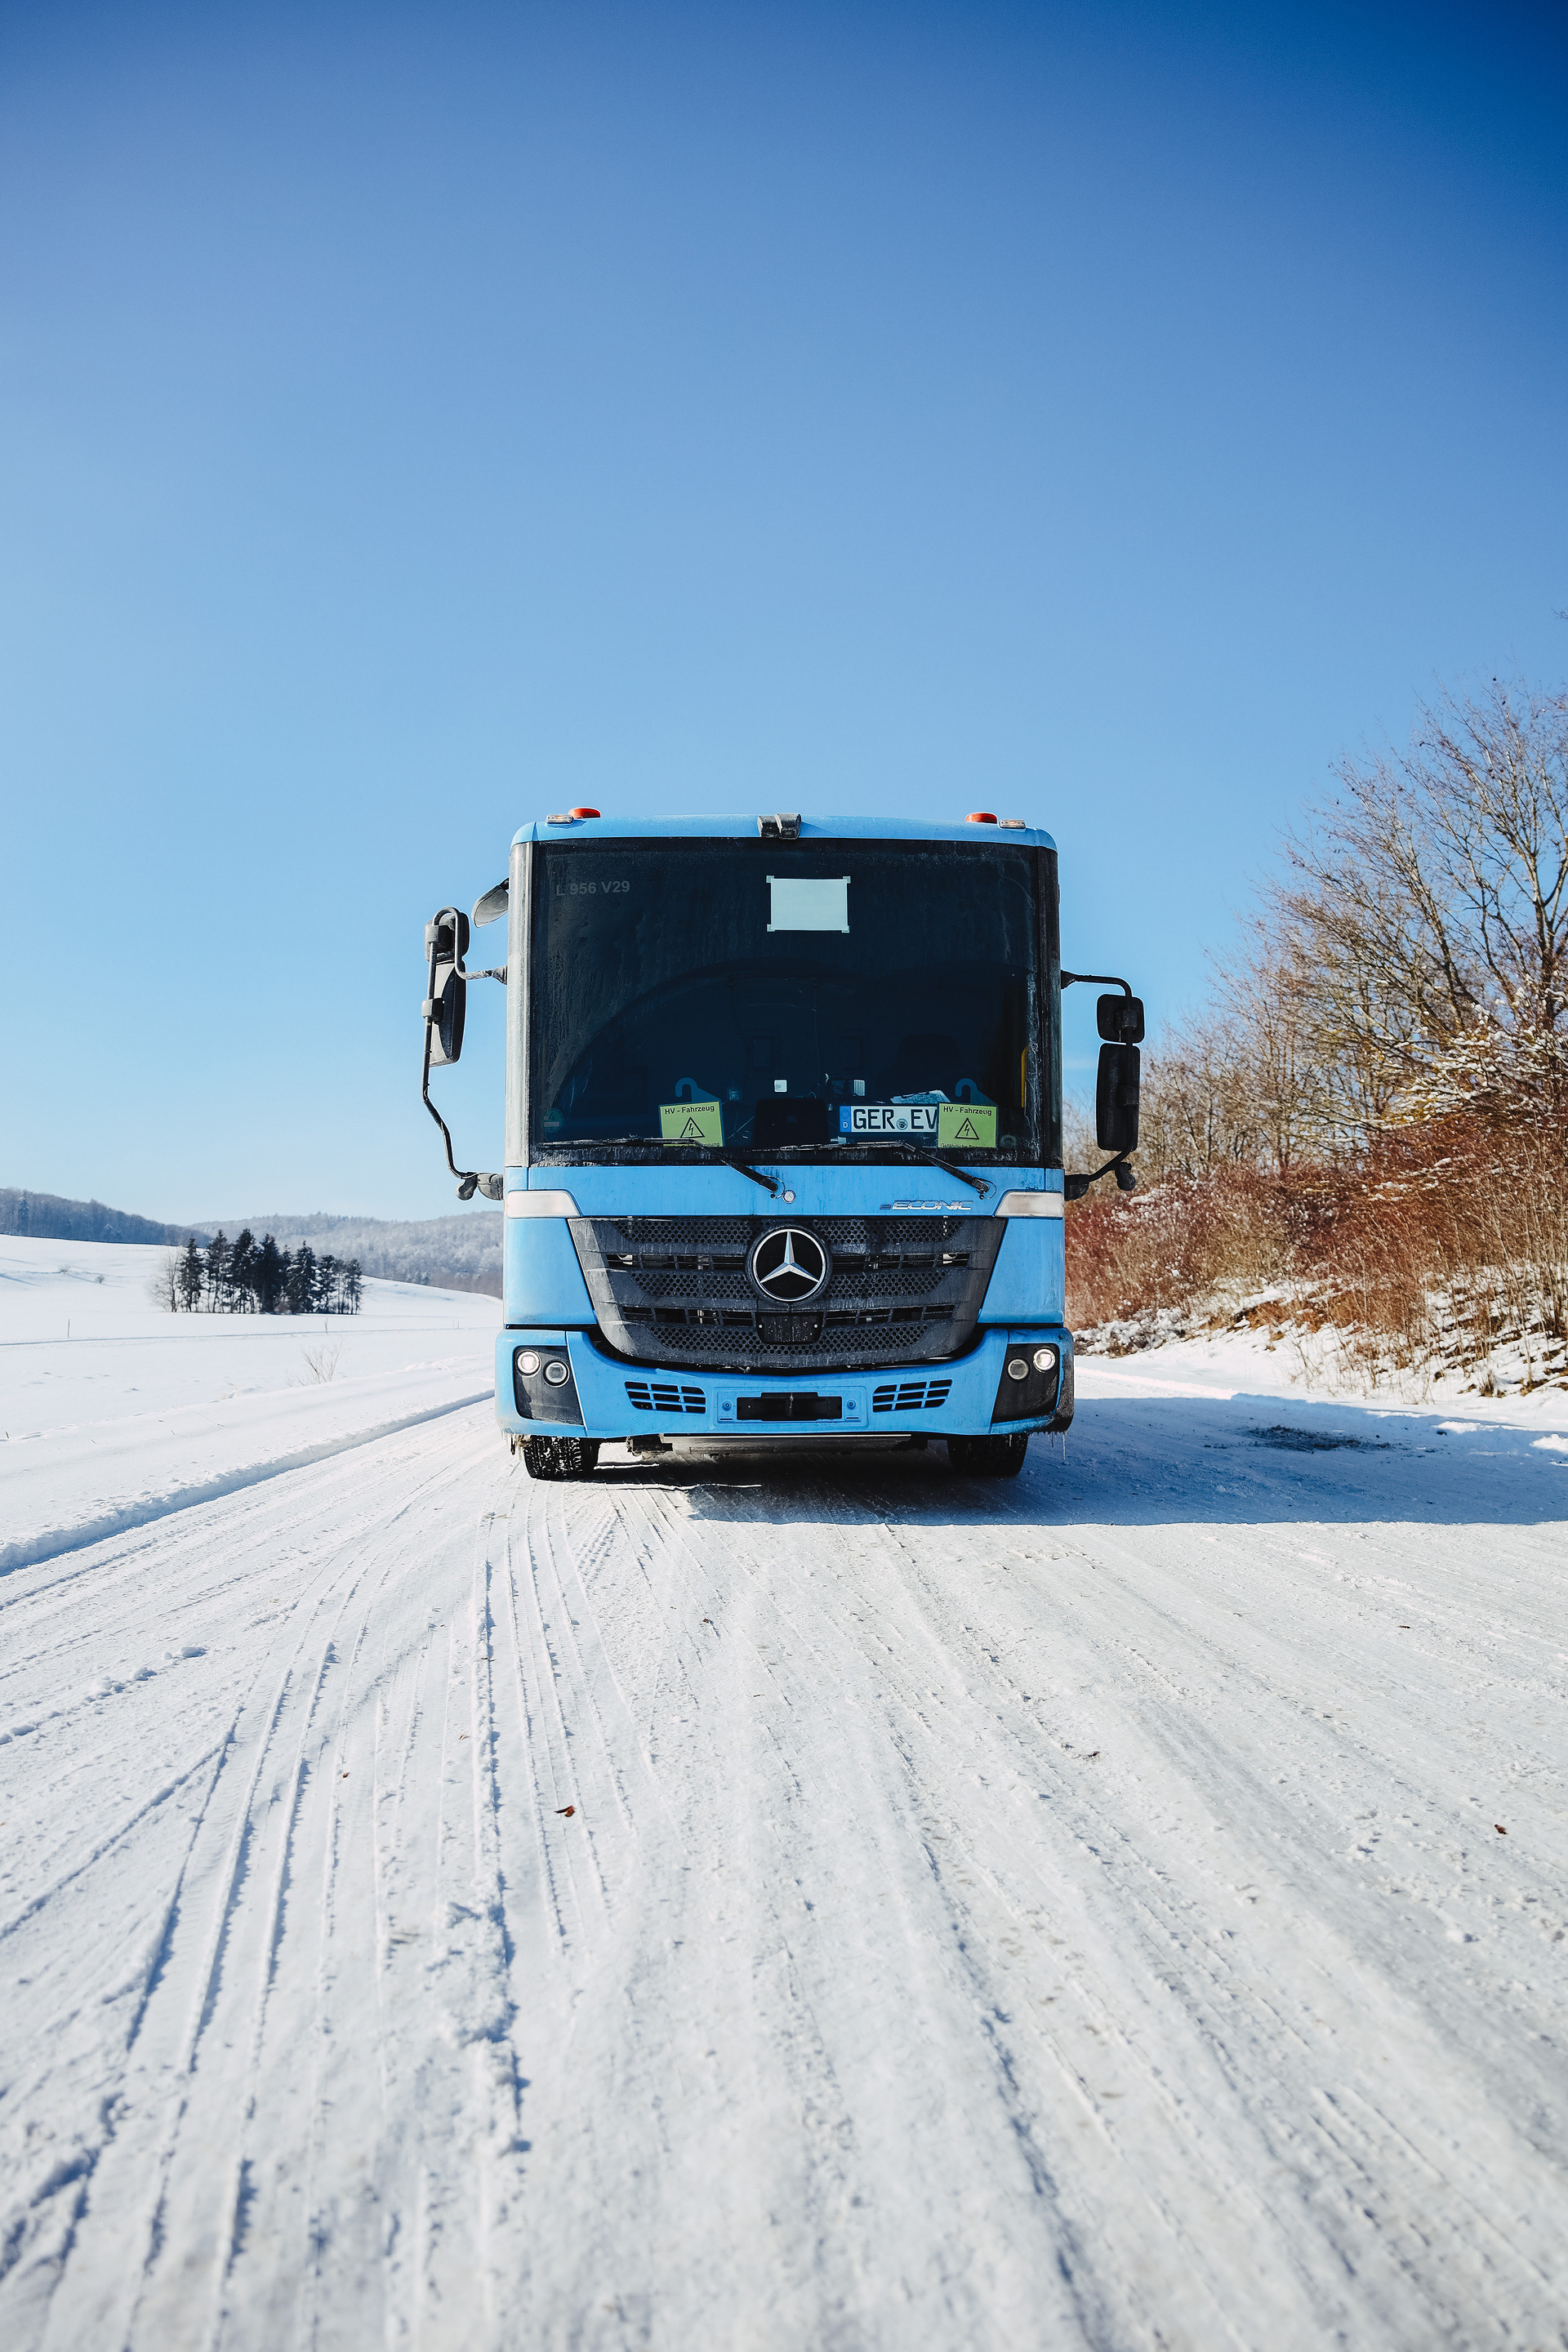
{"type": "Point", "coordinates": [754, 1174]}
{"type": "Point", "coordinates": [731, 1159]}
{"type": "Point", "coordinates": [619, 1142]}
{"type": "Point", "coordinates": [932, 1159]}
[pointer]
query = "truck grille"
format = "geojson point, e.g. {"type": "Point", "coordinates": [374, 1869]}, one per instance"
{"type": "Point", "coordinates": [673, 1290]}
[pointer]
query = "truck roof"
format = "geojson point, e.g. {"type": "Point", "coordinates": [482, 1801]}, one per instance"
{"type": "Point", "coordinates": [748, 827]}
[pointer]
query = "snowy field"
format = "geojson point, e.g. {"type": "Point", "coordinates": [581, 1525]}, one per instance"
{"type": "Point", "coordinates": [825, 1905]}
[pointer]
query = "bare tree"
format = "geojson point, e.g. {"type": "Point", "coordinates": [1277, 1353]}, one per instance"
{"type": "Point", "coordinates": [163, 1282]}
{"type": "Point", "coordinates": [1200, 1101]}
{"type": "Point", "coordinates": [1421, 932]}
{"type": "Point", "coordinates": [1411, 962]}
{"type": "Point", "coordinates": [1399, 1005]}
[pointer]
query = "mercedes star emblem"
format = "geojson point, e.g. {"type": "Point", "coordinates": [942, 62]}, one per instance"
{"type": "Point", "coordinates": [789, 1266]}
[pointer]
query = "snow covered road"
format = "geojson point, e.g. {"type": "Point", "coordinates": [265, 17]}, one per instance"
{"type": "Point", "coordinates": [1124, 1908]}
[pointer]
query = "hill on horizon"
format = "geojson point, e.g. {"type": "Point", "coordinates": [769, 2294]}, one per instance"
{"type": "Point", "coordinates": [454, 1253]}
{"type": "Point", "coordinates": [48, 1217]}
{"type": "Point", "coordinates": [458, 1253]}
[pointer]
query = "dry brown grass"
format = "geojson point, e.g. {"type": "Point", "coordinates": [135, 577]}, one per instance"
{"type": "Point", "coordinates": [1448, 1244]}
{"type": "Point", "coordinates": [1170, 1247]}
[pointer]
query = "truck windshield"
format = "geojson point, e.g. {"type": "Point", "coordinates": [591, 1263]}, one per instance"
{"type": "Point", "coordinates": [765, 997]}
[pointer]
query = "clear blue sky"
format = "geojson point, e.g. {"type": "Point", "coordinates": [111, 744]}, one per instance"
{"type": "Point", "coordinates": [414, 420]}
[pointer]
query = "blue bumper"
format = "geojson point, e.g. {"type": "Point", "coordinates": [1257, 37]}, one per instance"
{"type": "Point", "coordinates": [616, 1399]}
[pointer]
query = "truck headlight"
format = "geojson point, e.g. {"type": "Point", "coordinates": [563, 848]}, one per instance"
{"type": "Point", "coordinates": [556, 1372]}
{"type": "Point", "coordinates": [1017, 1367]}
{"type": "Point", "coordinates": [528, 1362]}
{"type": "Point", "coordinates": [1045, 1359]}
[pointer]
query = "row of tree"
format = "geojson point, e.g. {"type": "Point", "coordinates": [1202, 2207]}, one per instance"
{"type": "Point", "coordinates": [1407, 965]}
{"type": "Point", "coordinates": [245, 1276]}
{"type": "Point", "coordinates": [1367, 1130]}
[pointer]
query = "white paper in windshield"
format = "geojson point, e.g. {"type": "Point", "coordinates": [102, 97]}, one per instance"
{"type": "Point", "coordinates": [799, 904]}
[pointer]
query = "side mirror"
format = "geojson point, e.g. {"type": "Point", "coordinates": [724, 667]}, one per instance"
{"type": "Point", "coordinates": [1116, 1092]}
{"type": "Point", "coordinates": [446, 945]}
{"type": "Point", "coordinates": [1120, 1020]}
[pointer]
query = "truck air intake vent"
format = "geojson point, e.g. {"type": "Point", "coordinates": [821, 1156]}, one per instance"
{"type": "Point", "coordinates": [659, 1396]}
{"type": "Point", "coordinates": [910, 1396]}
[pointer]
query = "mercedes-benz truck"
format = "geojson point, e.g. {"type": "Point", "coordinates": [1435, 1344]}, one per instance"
{"type": "Point", "coordinates": [784, 1132]}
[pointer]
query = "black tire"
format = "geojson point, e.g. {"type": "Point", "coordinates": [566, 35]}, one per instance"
{"type": "Point", "coordinates": [560, 1458]}
{"type": "Point", "coordinates": [989, 1457]}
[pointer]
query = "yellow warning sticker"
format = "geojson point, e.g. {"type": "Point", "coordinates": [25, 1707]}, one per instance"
{"type": "Point", "coordinates": [970, 1126]}
{"type": "Point", "coordinates": [696, 1122]}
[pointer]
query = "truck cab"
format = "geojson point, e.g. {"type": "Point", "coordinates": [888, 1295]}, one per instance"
{"type": "Point", "coordinates": [783, 1133]}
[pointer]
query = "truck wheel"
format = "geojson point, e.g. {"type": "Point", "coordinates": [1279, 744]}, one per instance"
{"type": "Point", "coordinates": [560, 1458]}
{"type": "Point", "coordinates": [988, 1457]}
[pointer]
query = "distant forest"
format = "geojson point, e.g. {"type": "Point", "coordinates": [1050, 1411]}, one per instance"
{"type": "Point", "coordinates": [456, 1253]}
{"type": "Point", "coordinates": [45, 1216]}
{"type": "Point", "coordinates": [245, 1277]}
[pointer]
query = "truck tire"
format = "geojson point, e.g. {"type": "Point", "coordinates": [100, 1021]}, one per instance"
{"type": "Point", "coordinates": [560, 1458]}
{"type": "Point", "coordinates": [989, 1457]}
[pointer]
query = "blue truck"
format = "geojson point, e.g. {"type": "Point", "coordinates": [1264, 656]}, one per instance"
{"type": "Point", "coordinates": [784, 1132]}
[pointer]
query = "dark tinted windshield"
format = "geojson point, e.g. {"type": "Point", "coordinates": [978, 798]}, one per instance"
{"type": "Point", "coordinates": [766, 997]}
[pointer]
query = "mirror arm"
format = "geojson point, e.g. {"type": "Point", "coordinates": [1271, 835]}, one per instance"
{"type": "Point", "coordinates": [469, 1180]}
{"type": "Point", "coordinates": [500, 975]}
{"type": "Point", "coordinates": [1075, 1187]}
{"type": "Point", "coordinates": [1100, 980]}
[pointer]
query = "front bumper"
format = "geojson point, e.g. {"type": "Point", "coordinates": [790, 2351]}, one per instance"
{"type": "Point", "coordinates": [617, 1400]}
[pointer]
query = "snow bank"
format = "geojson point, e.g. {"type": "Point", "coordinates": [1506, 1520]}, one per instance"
{"type": "Point", "coordinates": [1304, 1367]}
{"type": "Point", "coordinates": [113, 1412]}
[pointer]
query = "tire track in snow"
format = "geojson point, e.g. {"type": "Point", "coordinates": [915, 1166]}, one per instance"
{"type": "Point", "coordinates": [329, 1591]}
{"type": "Point", "coordinates": [784, 1991]}
{"type": "Point", "coordinates": [47, 1544]}
{"type": "Point", "coordinates": [1165, 1933]}
{"type": "Point", "coordinates": [972, 1928]}
{"type": "Point", "coordinates": [1040, 2241]}
{"type": "Point", "coordinates": [243, 2192]}
{"type": "Point", "coordinates": [1351, 1974]}
{"type": "Point", "coordinates": [308, 2201]}
{"type": "Point", "coordinates": [160, 1976]}
{"type": "Point", "coordinates": [171, 2205]}
{"type": "Point", "coordinates": [597, 2117]}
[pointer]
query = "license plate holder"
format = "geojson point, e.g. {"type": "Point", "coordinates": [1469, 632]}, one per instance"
{"type": "Point", "coordinates": [790, 1405]}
